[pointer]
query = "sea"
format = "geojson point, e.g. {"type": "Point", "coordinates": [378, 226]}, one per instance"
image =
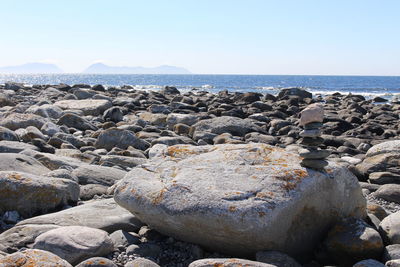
{"type": "Point", "coordinates": [369, 86]}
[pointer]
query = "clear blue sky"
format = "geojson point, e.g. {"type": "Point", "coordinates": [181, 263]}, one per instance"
{"type": "Point", "coordinates": [349, 37]}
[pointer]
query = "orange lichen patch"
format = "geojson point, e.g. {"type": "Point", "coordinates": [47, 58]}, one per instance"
{"type": "Point", "coordinates": [232, 208]}
{"type": "Point", "coordinates": [291, 178]}
{"type": "Point", "coordinates": [133, 191]}
{"type": "Point", "coordinates": [15, 176]}
{"type": "Point", "coordinates": [219, 265]}
{"type": "Point", "coordinates": [264, 194]}
{"type": "Point", "coordinates": [178, 151]}
{"type": "Point", "coordinates": [122, 188]}
{"type": "Point", "coordinates": [261, 214]}
{"type": "Point", "coordinates": [328, 170]}
{"type": "Point", "coordinates": [157, 200]}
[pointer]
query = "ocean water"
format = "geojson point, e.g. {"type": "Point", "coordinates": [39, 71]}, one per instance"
{"type": "Point", "coordinates": [369, 86]}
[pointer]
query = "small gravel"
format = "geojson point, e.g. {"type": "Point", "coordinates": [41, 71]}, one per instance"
{"type": "Point", "coordinates": [390, 207]}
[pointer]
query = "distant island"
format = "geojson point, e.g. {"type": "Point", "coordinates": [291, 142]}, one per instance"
{"type": "Point", "coordinates": [97, 68]}
{"type": "Point", "coordinates": [31, 68]}
{"type": "Point", "coordinates": [105, 69]}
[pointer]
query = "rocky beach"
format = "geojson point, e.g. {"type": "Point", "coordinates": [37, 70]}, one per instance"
{"type": "Point", "coordinates": [93, 175]}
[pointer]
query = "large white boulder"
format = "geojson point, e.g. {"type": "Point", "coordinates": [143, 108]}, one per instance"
{"type": "Point", "coordinates": [239, 199]}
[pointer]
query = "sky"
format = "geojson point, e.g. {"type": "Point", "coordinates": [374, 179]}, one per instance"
{"type": "Point", "coordinates": [310, 37]}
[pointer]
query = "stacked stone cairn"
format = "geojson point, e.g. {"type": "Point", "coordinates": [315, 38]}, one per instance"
{"type": "Point", "coordinates": [311, 120]}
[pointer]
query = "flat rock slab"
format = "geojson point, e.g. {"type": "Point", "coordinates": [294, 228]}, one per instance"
{"type": "Point", "coordinates": [100, 214]}
{"type": "Point", "coordinates": [31, 194]}
{"type": "Point", "coordinates": [15, 146]}
{"type": "Point", "coordinates": [241, 198]}
{"type": "Point", "coordinates": [93, 107]}
{"type": "Point", "coordinates": [15, 121]}
{"type": "Point", "coordinates": [21, 163]}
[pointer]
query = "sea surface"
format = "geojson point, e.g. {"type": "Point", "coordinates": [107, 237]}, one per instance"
{"type": "Point", "coordinates": [369, 86]}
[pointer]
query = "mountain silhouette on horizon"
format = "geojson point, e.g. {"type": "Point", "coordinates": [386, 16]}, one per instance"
{"type": "Point", "coordinates": [31, 68]}
{"type": "Point", "coordinates": [100, 68]}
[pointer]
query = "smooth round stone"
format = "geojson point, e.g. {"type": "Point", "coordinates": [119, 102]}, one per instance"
{"type": "Point", "coordinates": [314, 153]}
{"type": "Point", "coordinates": [311, 133]}
{"type": "Point", "coordinates": [313, 125]}
{"type": "Point", "coordinates": [308, 141]}
{"type": "Point", "coordinates": [314, 163]}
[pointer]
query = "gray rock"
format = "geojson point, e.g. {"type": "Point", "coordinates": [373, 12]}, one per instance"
{"type": "Point", "coordinates": [389, 192]}
{"type": "Point", "coordinates": [114, 137]}
{"type": "Point", "coordinates": [50, 129]}
{"type": "Point", "coordinates": [384, 178]}
{"type": "Point", "coordinates": [77, 122]}
{"type": "Point", "coordinates": [75, 243]}
{"type": "Point", "coordinates": [226, 124]}
{"type": "Point", "coordinates": [226, 262]}
{"type": "Point", "coordinates": [94, 174]}
{"type": "Point", "coordinates": [261, 138]}
{"type": "Point", "coordinates": [5, 100]}
{"type": "Point", "coordinates": [93, 107]}
{"type": "Point", "coordinates": [63, 173]}
{"type": "Point", "coordinates": [391, 252]}
{"type": "Point", "coordinates": [15, 121]}
{"type": "Point", "coordinates": [175, 118]}
{"type": "Point", "coordinates": [170, 141]}
{"type": "Point", "coordinates": [29, 133]}
{"type": "Point", "coordinates": [113, 114]}
{"type": "Point", "coordinates": [30, 194]}
{"type": "Point", "coordinates": [11, 217]}
{"type": "Point", "coordinates": [69, 138]}
{"type": "Point", "coordinates": [390, 228]}
{"type": "Point", "coordinates": [88, 191]}
{"type": "Point", "coordinates": [122, 161]}
{"type": "Point", "coordinates": [46, 111]}
{"type": "Point", "coordinates": [141, 262]}
{"type": "Point", "coordinates": [97, 262]}
{"type": "Point", "coordinates": [123, 238]}
{"type": "Point", "coordinates": [100, 214]}
{"type": "Point", "coordinates": [311, 133]}
{"type": "Point", "coordinates": [51, 161]}
{"type": "Point", "coordinates": [251, 189]}
{"type": "Point", "coordinates": [83, 93]}
{"type": "Point", "coordinates": [276, 258]}
{"type": "Point", "coordinates": [353, 240]}
{"type": "Point", "coordinates": [314, 163]}
{"type": "Point", "coordinates": [33, 257]}
{"type": "Point", "coordinates": [15, 146]}
{"type": "Point", "coordinates": [21, 163]}
{"type": "Point", "coordinates": [384, 148]}
{"type": "Point", "coordinates": [369, 263]}
{"type": "Point", "coordinates": [7, 135]}
{"type": "Point", "coordinates": [309, 153]}
{"type": "Point", "coordinates": [393, 263]}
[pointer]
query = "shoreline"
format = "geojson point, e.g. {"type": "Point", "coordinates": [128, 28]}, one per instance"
{"type": "Point", "coordinates": [90, 137]}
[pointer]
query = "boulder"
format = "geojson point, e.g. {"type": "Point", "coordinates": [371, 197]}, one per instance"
{"type": "Point", "coordinates": [251, 189]}
{"type": "Point", "coordinates": [276, 258]}
{"type": "Point", "coordinates": [75, 243]}
{"type": "Point", "coordinates": [114, 137]}
{"type": "Point", "coordinates": [51, 161]}
{"type": "Point", "coordinates": [388, 192]}
{"type": "Point", "coordinates": [369, 263]}
{"type": "Point", "coordinates": [353, 240]}
{"type": "Point", "coordinates": [93, 107]}
{"type": "Point", "coordinates": [15, 121]}
{"type": "Point", "coordinates": [94, 174]}
{"type": "Point", "coordinates": [31, 194]}
{"type": "Point", "coordinates": [287, 92]}
{"type": "Point", "coordinates": [21, 163]}
{"type": "Point", "coordinates": [46, 111]}
{"type": "Point", "coordinates": [33, 257]}
{"type": "Point", "coordinates": [75, 121]}
{"type": "Point", "coordinates": [384, 148]}
{"type": "Point", "coordinates": [312, 113]}
{"type": "Point", "coordinates": [100, 214]}
{"type": "Point", "coordinates": [15, 146]}
{"type": "Point", "coordinates": [141, 262]}
{"type": "Point", "coordinates": [113, 114]}
{"type": "Point", "coordinates": [225, 124]}
{"type": "Point", "coordinates": [390, 228]}
{"type": "Point", "coordinates": [7, 135]}
{"type": "Point", "coordinates": [226, 262]}
{"type": "Point", "coordinates": [175, 118]}
{"type": "Point", "coordinates": [97, 262]}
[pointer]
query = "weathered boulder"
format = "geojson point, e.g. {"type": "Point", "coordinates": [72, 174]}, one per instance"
{"type": "Point", "coordinates": [226, 262]}
{"type": "Point", "coordinates": [31, 194]}
{"type": "Point", "coordinates": [383, 148]}
{"type": "Point", "coordinates": [114, 137]}
{"type": "Point", "coordinates": [93, 107]}
{"type": "Point", "coordinates": [97, 262]}
{"type": "Point", "coordinates": [225, 124]}
{"type": "Point", "coordinates": [142, 262]}
{"type": "Point", "coordinates": [51, 161]}
{"type": "Point", "coordinates": [21, 163]}
{"type": "Point", "coordinates": [7, 135]}
{"type": "Point", "coordinates": [75, 243]}
{"type": "Point", "coordinates": [15, 121]}
{"type": "Point", "coordinates": [75, 121]}
{"type": "Point", "coordinates": [100, 214]}
{"type": "Point", "coordinates": [46, 111]}
{"type": "Point", "coordinates": [298, 92]}
{"type": "Point", "coordinates": [94, 174]}
{"type": "Point", "coordinates": [234, 194]}
{"type": "Point", "coordinates": [390, 228]}
{"type": "Point", "coordinates": [15, 146]}
{"type": "Point", "coordinates": [33, 257]}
